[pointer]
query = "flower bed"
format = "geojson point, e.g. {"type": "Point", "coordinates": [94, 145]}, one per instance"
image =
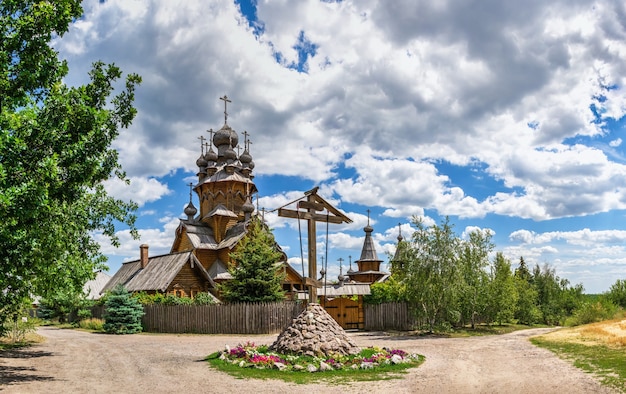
{"type": "Point", "coordinates": [247, 355]}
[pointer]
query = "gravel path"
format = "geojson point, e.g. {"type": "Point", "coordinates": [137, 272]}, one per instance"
{"type": "Point", "coordinates": [80, 362]}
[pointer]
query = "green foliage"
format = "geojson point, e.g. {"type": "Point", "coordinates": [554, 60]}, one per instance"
{"type": "Point", "coordinates": [92, 324]}
{"type": "Point", "coordinates": [502, 294]}
{"type": "Point", "coordinates": [617, 293]}
{"type": "Point", "coordinates": [256, 275]}
{"type": "Point", "coordinates": [591, 312]}
{"type": "Point", "coordinates": [451, 282]}
{"type": "Point", "coordinates": [123, 312]}
{"type": "Point", "coordinates": [65, 304]}
{"type": "Point", "coordinates": [203, 299]}
{"type": "Point", "coordinates": [170, 299]}
{"type": "Point", "coordinates": [526, 311]}
{"type": "Point", "coordinates": [392, 290]}
{"type": "Point", "coordinates": [56, 152]}
{"type": "Point", "coordinates": [474, 288]}
{"type": "Point", "coordinates": [432, 273]}
{"type": "Point", "coordinates": [19, 324]}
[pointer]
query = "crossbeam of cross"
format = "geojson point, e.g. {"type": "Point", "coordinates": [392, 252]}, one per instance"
{"type": "Point", "coordinates": [309, 210]}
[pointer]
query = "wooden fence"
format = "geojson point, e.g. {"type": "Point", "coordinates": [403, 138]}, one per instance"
{"type": "Point", "coordinates": [240, 318]}
{"type": "Point", "coordinates": [389, 316]}
{"type": "Point", "coordinates": [256, 318]}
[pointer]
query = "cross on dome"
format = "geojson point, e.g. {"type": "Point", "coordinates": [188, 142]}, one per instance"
{"type": "Point", "coordinates": [226, 101]}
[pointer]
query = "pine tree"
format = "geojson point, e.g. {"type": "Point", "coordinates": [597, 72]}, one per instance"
{"type": "Point", "coordinates": [123, 312]}
{"type": "Point", "coordinates": [256, 276]}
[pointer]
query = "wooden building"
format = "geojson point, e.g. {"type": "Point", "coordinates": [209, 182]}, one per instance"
{"type": "Point", "coordinates": [200, 253]}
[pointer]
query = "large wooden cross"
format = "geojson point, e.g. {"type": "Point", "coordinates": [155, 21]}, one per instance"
{"type": "Point", "coordinates": [309, 210]}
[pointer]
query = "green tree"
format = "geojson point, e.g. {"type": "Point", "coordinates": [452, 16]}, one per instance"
{"type": "Point", "coordinates": [617, 293]}
{"type": "Point", "coordinates": [123, 312]}
{"type": "Point", "coordinates": [392, 290]}
{"type": "Point", "coordinates": [63, 303]}
{"type": "Point", "coordinates": [433, 275]}
{"type": "Point", "coordinates": [55, 152]}
{"type": "Point", "coordinates": [256, 275]}
{"type": "Point", "coordinates": [503, 296]}
{"type": "Point", "coordinates": [474, 260]}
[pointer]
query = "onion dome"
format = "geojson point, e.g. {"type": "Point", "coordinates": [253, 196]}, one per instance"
{"type": "Point", "coordinates": [210, 156]}
{"type": "Point", "coordinates": [225, 136]}
{"type": "Point", "coordinates": [350, 271]}
{"type": "Point", "coordinates": [341, 278]}
{"type": "Point", "coordinates": [190, 210]}
{"type": "Point", "coordinates": [230, 155]}
{"type": "Point", "coordinates": [201, 162]}
{"type": "Point", "coordinates": [247, 207]}
{"type": "Point", "coordinates": [245, 158]}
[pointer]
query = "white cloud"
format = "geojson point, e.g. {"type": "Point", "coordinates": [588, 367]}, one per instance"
{"type": "Point", "coordinates": [140, 190]}
{"type": "Point", "coordinates": [394, 90]}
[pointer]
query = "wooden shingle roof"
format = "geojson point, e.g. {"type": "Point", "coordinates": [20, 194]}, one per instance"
{"type": "Point", "coordinates": [158, 274]}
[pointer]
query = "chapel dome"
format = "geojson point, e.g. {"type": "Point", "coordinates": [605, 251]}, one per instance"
{"type": "Point", "coordinates": [225, 136]}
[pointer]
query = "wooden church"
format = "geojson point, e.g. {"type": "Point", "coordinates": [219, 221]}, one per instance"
{"type": "Point", "coordinates": [200, 254]}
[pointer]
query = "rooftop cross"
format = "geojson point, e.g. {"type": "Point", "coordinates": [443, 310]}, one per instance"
{"type": "Point", "coordinates": [368, 217]}
{"type": "Point", "coordinates": [210, 131]}
{"type": "Point", "coordinates": [245, 139]}
{"type": "Point", "coordinates": [202, 139]}
{"type": "Point", "coordinates": [190, 189]}
{"type": "Point", "coordinates": [226, 101]}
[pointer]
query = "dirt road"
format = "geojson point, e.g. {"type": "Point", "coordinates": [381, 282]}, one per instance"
{"type": "Point", "coordinates": [79, 362]}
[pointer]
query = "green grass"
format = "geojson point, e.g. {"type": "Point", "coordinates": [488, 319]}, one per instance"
{"type": "Point", "coordinates": [385, 372]}
{"type": "Point", "coordinates": [608, 364]}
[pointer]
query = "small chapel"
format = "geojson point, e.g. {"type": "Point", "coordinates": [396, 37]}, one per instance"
{"type": "Point", "coordinates": [200, 254]}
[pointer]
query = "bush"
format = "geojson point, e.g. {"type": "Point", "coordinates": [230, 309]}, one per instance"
{"type": "Point", "coordinates": [204, 299]}
{"type": "Point", "coordinates": [617, 293]}
{"type": "Point", "coordinates": [591, 312]}
{"type": "Point", "coordinates": [123, 313]}
{"type": "Point", "coordinates": [92, 324]}
{"type": "Point", "coordinates": [170, 299]}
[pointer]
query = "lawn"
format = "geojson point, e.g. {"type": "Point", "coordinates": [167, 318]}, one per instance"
{"type": "Point", "coordinates": [597, 348]}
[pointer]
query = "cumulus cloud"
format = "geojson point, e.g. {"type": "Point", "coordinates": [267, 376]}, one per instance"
{"type": "Point", "coordinates": [528, 94]}
{"type": "Point", "coordinates": [140, 190]}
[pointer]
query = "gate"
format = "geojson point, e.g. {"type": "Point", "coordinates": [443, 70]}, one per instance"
{"type": "Point", "coordinates": [345, 312]}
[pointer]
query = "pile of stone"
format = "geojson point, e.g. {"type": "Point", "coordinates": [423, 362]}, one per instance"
{"type": "Point", "coordinates": [314, 333]}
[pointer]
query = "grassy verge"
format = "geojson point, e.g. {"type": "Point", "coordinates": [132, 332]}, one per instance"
{"type": "Point", "coordinates": [599, 349]}
{"type": "Point", "coordinates": [30, 339]}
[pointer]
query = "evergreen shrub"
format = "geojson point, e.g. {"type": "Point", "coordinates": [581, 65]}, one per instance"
{"type": "Point", "coordinates": [123, 312]}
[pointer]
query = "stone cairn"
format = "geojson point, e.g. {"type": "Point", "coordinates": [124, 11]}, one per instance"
{"type": "Point", "coordinates": [314, 333]}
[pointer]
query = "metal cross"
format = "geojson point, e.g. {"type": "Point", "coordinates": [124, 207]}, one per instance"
{"type": "Point", "coordinates": [202, 139]}
{"type": "Point", "coordinates": [226, 101]}
{"type": "Point", "coordinates": [245, 139]}
{"type": "Point", "coordinates": [368, 217]}
{"type": "Point", "coordinates": [190, 189]}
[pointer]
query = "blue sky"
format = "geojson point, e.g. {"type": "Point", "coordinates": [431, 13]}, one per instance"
{"type": "Point", "coordinates": [502, 116]}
